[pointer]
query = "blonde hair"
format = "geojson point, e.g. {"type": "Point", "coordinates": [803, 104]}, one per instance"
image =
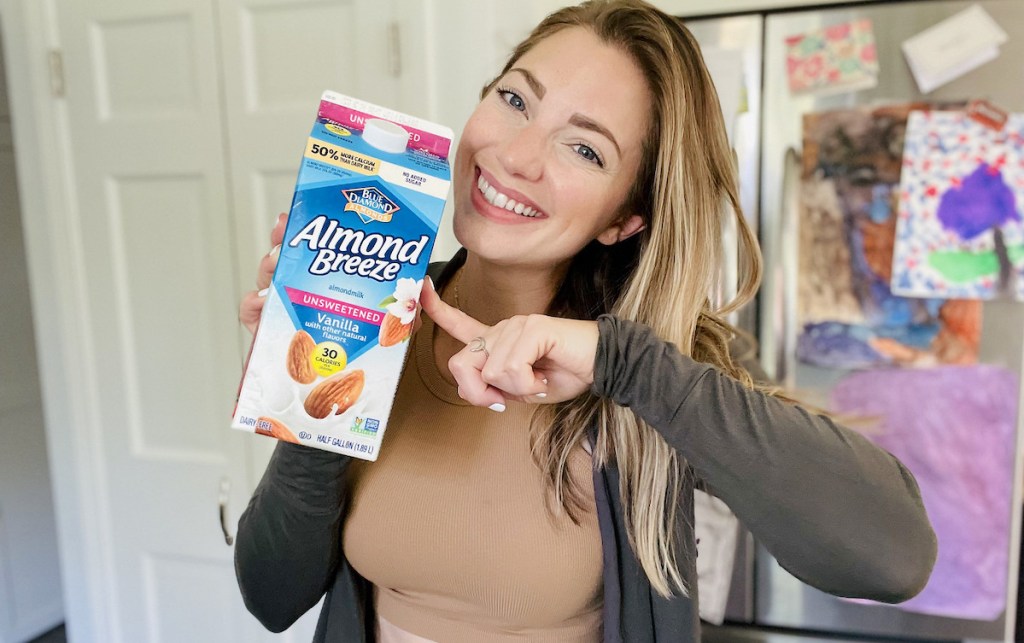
{"type": "Point", "coordinates": [662, 277]}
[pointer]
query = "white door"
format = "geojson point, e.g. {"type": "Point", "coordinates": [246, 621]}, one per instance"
{"type": "Point", "coordinates": [147, 173]}
{"type": "Point", "coordinates": [178, 113]}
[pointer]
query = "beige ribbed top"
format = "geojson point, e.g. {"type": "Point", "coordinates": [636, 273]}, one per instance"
{"type": "Point", "coordinates": [450, 523]}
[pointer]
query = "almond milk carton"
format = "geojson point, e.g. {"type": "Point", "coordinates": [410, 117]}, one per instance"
{"type": "Point", "coordinates": [333, 335]}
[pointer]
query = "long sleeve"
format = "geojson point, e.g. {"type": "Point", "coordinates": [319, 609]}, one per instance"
{"type": "Point", "coordinates": [836, 511]}
{"type": "Point", "coordinates": [287, 548]}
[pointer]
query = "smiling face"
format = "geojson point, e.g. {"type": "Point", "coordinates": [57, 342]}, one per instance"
{"type": "Point", "coordinates": [548, 157]}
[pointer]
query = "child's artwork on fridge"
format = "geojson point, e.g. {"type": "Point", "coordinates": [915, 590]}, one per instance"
{"type": "Point", "coordinates": [960, 231]}
{"type": "Point", "coordinates": [954, 428]}
{"type": "Point", "coordinates": [848, 316]}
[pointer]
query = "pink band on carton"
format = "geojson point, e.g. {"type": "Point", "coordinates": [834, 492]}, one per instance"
{"type": "Point", "coordinates": [354, 119]}
{"type": "Point", "coordinates": [326, 304]}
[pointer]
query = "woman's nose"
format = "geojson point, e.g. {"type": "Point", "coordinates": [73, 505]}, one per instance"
{"type": "Point", "coordinates": [525, 152]}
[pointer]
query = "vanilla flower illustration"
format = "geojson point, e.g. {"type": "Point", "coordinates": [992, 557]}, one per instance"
{"type": "Point", "coordinates": [402, 304]}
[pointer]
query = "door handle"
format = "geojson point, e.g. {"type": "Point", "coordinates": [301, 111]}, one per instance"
{"type": "Point", "coordinates": [788, 248]}
{"type": "Point", "coordinates": [225, 496]}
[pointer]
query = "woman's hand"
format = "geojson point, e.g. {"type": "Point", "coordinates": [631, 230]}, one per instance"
{"type": "Point", "coordinates": [251, 308]}
{"type": "Point", "coordinates": [531, 358]}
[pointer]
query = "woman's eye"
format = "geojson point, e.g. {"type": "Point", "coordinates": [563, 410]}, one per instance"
{"type": "Point", "coordinates": [589, 154]}
{"type": "Point", "coordinates": [513, 99]}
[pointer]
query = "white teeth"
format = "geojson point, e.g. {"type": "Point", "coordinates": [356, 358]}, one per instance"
{"type": "Point", "coordinates": [497, 199]}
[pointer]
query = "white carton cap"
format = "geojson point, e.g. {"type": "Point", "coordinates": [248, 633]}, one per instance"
{"type": "Point", "coordinates": [385, 135]}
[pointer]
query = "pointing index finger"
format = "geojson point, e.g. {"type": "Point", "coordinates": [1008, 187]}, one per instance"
{"type": "Point", "coordinates": [455, 322]}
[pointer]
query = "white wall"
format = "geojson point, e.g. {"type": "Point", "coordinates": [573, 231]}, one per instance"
{"type": "Point", "coordinates": [30, 591]}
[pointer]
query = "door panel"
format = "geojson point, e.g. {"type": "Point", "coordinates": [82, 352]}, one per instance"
{"type": "Point", "coordinates": [147, 173]}
{"type": "Point", "coordinates": [176, 215]}
{"type": "Point", "coordinates": [165, 41]}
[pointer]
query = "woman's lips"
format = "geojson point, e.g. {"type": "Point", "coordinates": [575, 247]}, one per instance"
{"type": "Point", "coordinates": [502, 204]}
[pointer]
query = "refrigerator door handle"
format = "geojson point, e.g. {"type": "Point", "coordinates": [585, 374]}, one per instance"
{"type": "Point", "coordinates": [728, 276]}
{"type": "Point", "coordinates": [786, 288]}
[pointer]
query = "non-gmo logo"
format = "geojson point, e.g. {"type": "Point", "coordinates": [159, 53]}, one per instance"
{"type": "Point", "coordinates": [370, 204]}
{"type": "Point", "coordinates": [367, 427]}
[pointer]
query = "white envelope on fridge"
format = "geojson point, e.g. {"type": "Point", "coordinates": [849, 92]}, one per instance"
{"type": "Point", "coordinates": [953, 47]}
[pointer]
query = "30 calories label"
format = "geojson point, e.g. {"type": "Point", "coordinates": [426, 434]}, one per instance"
{"type": "Point", "coordinates": [328, 358]}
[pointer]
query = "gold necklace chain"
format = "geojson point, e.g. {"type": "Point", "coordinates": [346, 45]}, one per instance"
{"type": "Point", "coordinates": [455, 288]}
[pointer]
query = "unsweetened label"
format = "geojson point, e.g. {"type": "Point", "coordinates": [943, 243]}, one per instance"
{"type": "Point", "coordinates": [334, 332]}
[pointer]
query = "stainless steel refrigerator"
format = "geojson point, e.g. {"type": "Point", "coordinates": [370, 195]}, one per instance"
{"type": "Point", "coordinates": [768, 139]}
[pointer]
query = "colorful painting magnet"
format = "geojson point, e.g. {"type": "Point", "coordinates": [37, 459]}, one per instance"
{"type": "Point", "coordinates": [960, 231]}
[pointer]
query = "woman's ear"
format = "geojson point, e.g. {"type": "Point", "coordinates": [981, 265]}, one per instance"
{"type": "Point", "coordinates": [623, 228]}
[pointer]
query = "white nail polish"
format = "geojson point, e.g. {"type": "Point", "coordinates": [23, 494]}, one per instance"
{"type": "Point", "coordinates": [263, 293]}
{"type": "Point", "coordinates": [498, 407]}
{"type": "Point", "coordinates": [276, 250]}
{"type": "Point", "coordinates": [541, 395]}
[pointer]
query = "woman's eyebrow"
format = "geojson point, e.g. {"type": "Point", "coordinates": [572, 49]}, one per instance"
{"type": "Point", "coordinates": [532, 81]}
{"type": "Point", "coordinates": [579, 120]}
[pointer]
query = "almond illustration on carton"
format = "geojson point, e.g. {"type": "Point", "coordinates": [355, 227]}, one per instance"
{"type": "Point", "coordinates": [342, 389]}
{"type": "Point", "coordinates": [275, 429]}
{"type": "Point", "coordinates": [392, 330]}
{"type": "Point", "coordinates": [299, 350]}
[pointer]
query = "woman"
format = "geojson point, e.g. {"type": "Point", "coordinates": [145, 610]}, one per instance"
{"type": "Point", "coordinates": [571, 383]}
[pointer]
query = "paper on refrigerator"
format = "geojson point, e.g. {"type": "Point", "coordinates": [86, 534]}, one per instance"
{"type": "Point", "coordinates": [833, 59]}
{"type": "Point", "coordinates": [953, 47]}
{"type": "Point", "coordinates": [716, 530]}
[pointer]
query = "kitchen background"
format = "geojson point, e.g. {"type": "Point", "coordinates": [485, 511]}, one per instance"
{"type": "Point", "coordinates": [154, 142]}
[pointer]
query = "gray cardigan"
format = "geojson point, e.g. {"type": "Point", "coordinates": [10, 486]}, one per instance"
{"type": "Point", "coordinates": [834, 510]}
